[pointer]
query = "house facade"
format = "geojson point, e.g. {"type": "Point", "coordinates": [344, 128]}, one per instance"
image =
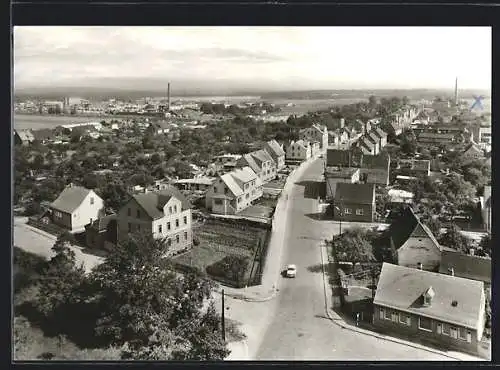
{"type": "Point", "coordinates": [415, 244]}
{"type": "Point", "coordinates": [276, 151]}
{"type": "Point", "coordinates": [234, 191]}
{"type": "Point", "coordinates": [445, 310]}
{"type": "Point", "coordinates": [76, 207]}
{"type": "Point", "coordinates": [299, 150]}
{"type": "Point", "coordinates": [101, 233]}
{"type": "Point", "coordinates": [165, 214]}
{"type": "Point", "coordinates": [381, 135]}
{"type": "Point", "coordinates": [261, 162]}
{"type": "Point", "coordinates": [354, 202]}
{"type": "Point", "coordinates": [316, 132]}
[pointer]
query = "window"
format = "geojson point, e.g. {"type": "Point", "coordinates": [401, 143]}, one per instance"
{"type": "Point", "coordinates": [462, 333]}
{"type": "Point", "coordinates": [359, 212]}
{"type": "Point", "coordinates": [177, 223]}
{"type": "Point", "coordinates": [215, 189]}
{"type": "Point", "coordinates": [170, 210]}
{"type": "Point", "coordinates": [185, 220]}
{"type": "Point", "coordinates": [226, 190]}
{"type": "Point", "coordinates": [177, 239]}
{"type": "Point", "coordinates": [218, 202]}
{"type": "Point", "coordinates": [381, 314]}
{"type": "Point", "coordinates": [387, 314]}
{"type": "Point", "coordinates": [439, 328]}
{"type": "Point", "coordinates": [347, 211]}
{"type": "Point", "coordinates": [185, 235]}
{"type": "Point", "coordinates": [394, 317]}
{"type": "Point", "coordinates": [404, 318]}
{"type": "Point", "coordinates": [138, 214]}
{"type": "Point", "coordinates": [424, 324]}
{"type": "Point", "coordinates": [239, 199]}
{"type": "Point", "coordinates": [453, 332]}
{"type": "Point", "coordinates": [169, 242]}
{"type": "Point", "coordinates": [57, 214]}
{"type": "Point", "coordinates": [168, 225]}
{"type": "Point", "coordinates": [138, 227]}
{"type": "Point", "coordinates": [469, 337]}
{"type": "Point", "coordinates": [129, 212]}
{"type": "Point", "coordinates": [129, 227]}
{"type": "Point", "coordinates": [446, 329]}
{"type": "Point", "coordinates": [175, 208]}
{"type": "Point", "coordinates": [160, 229]}
{"type": "Point", "coordinates": [91, 200]}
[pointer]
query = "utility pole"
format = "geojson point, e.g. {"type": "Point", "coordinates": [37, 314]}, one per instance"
{"type": "Point", "coordinates": [223, 320]}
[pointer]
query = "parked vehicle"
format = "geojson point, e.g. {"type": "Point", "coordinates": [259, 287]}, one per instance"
{"type": "Point", "coordinates": [291, 271]}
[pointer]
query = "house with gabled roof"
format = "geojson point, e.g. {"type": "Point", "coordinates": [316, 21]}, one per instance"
{"type": "Point", "coordinates": [276, 151]}
{"type": "Point", "coordinates": [76, 207]}
{"type": "Point", "coordinates": [381, 135]}
{"type": "Point", "coordinates": [473, 151]}
{"type": "Point", "coordinates": [234, 191]}
{"type": "Point", "coordinates": [23, 137]}
{"type": "Point", "coordinates": [314, 133]}
{"type": "Point", "coordinates": [375, 140]}
{"type": "Point", "coordinates": [414, 242]}
{"type": "Point", "coordinates": [466, 266]}
{"type": "Point", "coordinates": [448, 311]}
{"type": "Point", "coordinates": [165, 214]}
{"type": "Point", "coordinates": [354, 202]}
{"type": "Point", "coordinates": [261, 162]}
{"type": "Point", "coordinates": [368, 147]}
{"type": "Point", "coordinates": [299, 150]}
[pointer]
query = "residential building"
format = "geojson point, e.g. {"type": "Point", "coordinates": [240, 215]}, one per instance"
{"type": "Point", "coordinates": [335, 175]}
{"type": "Point", "coordinates": [414, 242]}
{"type": "Point", "coordinates": [414, 167]}
{"type": "Point", "coordinates": [76, 207]}
{"type": "Point", "coordinates": [375, 169]}
{"type": "Point", "coordinates": [466, 266]}
{"type": "Point", "coordinates": [315, 148]}
{"type": "Point", "coordinates": [400, 196]}
{"type": "Point", "coordinates": [367, 146]}
{"type": "Point", "coordinates": [354, 202]}
{"type": "Point", "coordinates": [436, 138]}
{"type": "Point", "coordinates": [375, 140]}
{"type": "Point", "coordinates": [23, 137]}
{"type": "Point", "coordinates": [443, 309]}
{"type": "Point", "coordinates": [164, 214]}
{"type": "Point", "coordinates": [486, 208]}
{"type": "Point", "coordinates": [200, 183]}
{"type": "Point", "coordinates": [299, 150]}
{"type": "Point", "coordinates": [473, 151]}
{"type": "Point", "coordinates": [482, 136]}
{"type": "Point", "coordinates": [234, 191]}
{"type": "Point", "coordinates": [381, 135]}
{"type": "Point", "coordinates": [335, 138]}
{"type": "Point", "coordinates": [314, 133]}
{"type": "Point", "coordinates": [261, 162]}
{"type": "Point", "coordinates": [44, 135]}
{"type": "Point", "coordinates": [276, 151]}
{"type": "Point", "coordinates": [102, 233]}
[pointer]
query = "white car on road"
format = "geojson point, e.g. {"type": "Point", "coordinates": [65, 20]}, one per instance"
{"type": "Point", "coordinates": [291, 271]}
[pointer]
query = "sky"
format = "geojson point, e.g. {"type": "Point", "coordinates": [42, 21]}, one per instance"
{"type": "Point", "coordinates": [275, 58]}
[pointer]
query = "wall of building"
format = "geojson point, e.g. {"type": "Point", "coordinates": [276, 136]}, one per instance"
{"type": "Point", "coordinates": [298, 152]}
{"type": "Point", "coordinates": [87, 212]}
{"type": "Point", "coordinates": [178, 237]}
{"type": "Point", "coordinates": [62, 219]}
{"type": "Point", "coordinates": [422, 250]}
{"type": "Point", "coordinates": [138, 222]}
{"type": "Point", "coordinates": [366, 216]}
{"type": "Point", "coordinates": [434, 336]}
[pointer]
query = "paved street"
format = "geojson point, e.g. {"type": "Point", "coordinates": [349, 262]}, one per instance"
{"type": "Point", "coordinates": [298, 328]}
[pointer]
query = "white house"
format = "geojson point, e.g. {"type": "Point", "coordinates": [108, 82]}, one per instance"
{"type": "Point", "coordinates": [298, 150]}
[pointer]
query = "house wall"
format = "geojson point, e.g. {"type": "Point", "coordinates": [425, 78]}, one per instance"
{"type": "Point", "coordinates": [62, 219]}
{"type": "Point", "coordinates": [298, 152]}
{"type": "Point", "coordinates": [183, 231]}
{"type": "Point", "coordinates": [331, 183]}
{"type": "Point", "coordinates": [251, 192]}
{"type": "Point", "coordinates": [143, 223]}
{"type": "Point", "coordinates": [87, 212]}
{"type": "Point", "coordinates": [367, 210]}
{"type": "Point", "coordinates": [268, 171]}
{"type": "Point", "coordinates": [222, 206]}
{"type": "Point", "coordinates": [420, 249]}
{"type": "Point", "coordinates": [414, 331]}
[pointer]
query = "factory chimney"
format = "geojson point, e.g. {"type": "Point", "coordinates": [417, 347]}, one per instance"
{"type": "Point", "coordinates": [456, 91]}
{"type": "Point", "coordinates": [168, 97]}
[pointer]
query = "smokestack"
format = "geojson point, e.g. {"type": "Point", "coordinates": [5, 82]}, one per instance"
{"type": "Point", "coordinates": [168, 96]}
{"type": "Point", "coordinates": [456, 91]}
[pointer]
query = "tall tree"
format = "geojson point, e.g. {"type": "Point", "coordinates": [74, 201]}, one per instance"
{"type": "Point", "coordinates": [453, 238]}
{"type": "Point", "coordinates": [353, 246]}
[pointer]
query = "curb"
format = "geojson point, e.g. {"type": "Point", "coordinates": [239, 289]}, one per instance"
{"type": "Point", "coordinates": [340, 322]}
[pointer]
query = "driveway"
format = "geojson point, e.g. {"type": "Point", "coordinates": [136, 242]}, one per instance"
{"type": "Point", "coordinates": [39, 242]}
{"type": "Point", "coordinates": [298, 328]}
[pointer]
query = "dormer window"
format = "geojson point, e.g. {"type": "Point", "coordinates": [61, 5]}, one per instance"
{"type": "Point", "coordinates": [427, 296]}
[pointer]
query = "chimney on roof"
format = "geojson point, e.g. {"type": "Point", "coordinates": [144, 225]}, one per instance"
{"type": "Point", "coordinates": [451, 270]}
{"type": "Point", "coordinates": [420, 265]}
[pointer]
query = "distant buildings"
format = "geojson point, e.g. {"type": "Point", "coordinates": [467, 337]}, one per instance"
{"type": "Point", "coordinates": [76, 207]}
{"type": "Point", "coordinates": [234, 191]}
{"type": "Point", "coordinates": [440, 308]}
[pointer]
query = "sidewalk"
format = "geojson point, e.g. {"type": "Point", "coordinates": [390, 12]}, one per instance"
{"type": "Point", "coordinates": [272, 268]}
{"type": "Point", "coordinates": [338, 320]}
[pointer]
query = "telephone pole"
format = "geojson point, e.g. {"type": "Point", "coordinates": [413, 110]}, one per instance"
{"type": "Point", "coordinates": [223, 319]}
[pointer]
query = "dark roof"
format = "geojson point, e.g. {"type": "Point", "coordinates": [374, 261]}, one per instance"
{"type": "Point", "coordinates": [466, 266]}
{"type": "Point", "coordinates": [44, 134]}
{"type": "Point", "coordinates": [355, 193]}
{"type": "Point", "coordinates": [379, 132]}
{"type": "Point", "coordinates": [402, 288]}
{"type": "Point", "coordinates": [435, 135]}
{"type": "Point", "coordinates": [379, 161]}
{"type": "Point", "coordinates": [70, 199]}
{"type": "Point", "coordinates": [407, 225]}
{"type": "Point", "coordinates": [337, 157]}
{"type": "Point", "coordinates": [153, 202]}
{"type": "Point", "coordinates": [275, 148]}
{"type": "Point", "coordinates": [102, 223]}
{"type": "Point", "coordinates": [340, 172]}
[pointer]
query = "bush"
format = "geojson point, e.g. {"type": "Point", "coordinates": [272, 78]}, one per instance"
{"type": "Point", "coordinates": [32, 209]}
{"type": "Point", "coordinates": [231, 267]}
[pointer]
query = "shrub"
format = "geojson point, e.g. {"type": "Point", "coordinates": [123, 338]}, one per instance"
{"type": "Point", "coordinates": [231, 267]}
